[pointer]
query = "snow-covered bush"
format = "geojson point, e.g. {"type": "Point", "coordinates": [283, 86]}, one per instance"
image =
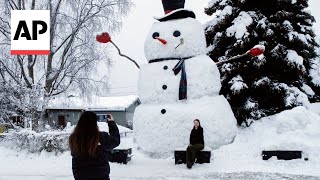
{"type": "Point", "coordinates": [33, 142]}
{"type": "Point", "coordinates": [55, 141]}
{"type": "Point", "coordinates": [288, 74]}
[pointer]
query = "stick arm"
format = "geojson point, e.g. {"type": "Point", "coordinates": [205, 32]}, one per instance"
{"type": "Point", "coordinates": [123, 55]}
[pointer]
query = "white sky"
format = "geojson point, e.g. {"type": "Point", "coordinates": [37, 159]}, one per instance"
{"type": "Point", "coordinates": [124, 75]}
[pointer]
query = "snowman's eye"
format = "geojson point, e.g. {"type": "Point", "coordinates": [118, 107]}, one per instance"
{"type": "Point", "coordinates": [155, 35]}
{"type": "Point", "coordinates": [176, 33]}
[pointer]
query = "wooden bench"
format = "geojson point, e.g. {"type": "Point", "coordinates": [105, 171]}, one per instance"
{"type": "Point", "coordinates": [282, 155]}
{"type": "Point", "coordinates": [122, 156]}
{"type": "Point", "coordinates": [180, 156]}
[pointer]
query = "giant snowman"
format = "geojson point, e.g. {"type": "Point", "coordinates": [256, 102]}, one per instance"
{"type": "Point", "coordinates": [179, 84]}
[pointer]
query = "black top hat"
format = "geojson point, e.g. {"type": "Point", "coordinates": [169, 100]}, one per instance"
{"type": "Point", "coordinates": [174, 9]}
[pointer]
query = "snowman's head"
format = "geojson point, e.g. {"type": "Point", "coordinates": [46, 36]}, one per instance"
{"type": "Point", "coordinates": [178, 38]}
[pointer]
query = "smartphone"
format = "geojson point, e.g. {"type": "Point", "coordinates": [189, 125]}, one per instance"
{"type": "Point", "coordinates": [108, 116]}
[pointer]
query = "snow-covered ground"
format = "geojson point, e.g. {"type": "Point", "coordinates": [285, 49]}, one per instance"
{"type": "Point", "coordinates": [20, 166]}
{"type": "Point", "coordinates": [237, 161]}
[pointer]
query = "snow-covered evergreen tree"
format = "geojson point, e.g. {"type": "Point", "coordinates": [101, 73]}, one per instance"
{"type": "Point", "coordinates": [285, 76]}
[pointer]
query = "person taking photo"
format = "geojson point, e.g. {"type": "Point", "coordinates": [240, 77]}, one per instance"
{"type": "Point", "coordinates": [89, 147]}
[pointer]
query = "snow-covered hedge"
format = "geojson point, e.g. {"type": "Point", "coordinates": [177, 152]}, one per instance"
{"type": "Point", "coordinates": [55, 141]}
{"type": "Point", "coordinates": [33, 142]}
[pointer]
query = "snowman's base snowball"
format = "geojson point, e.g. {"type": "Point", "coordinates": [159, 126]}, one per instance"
{"type": "Point", "coordinates": [158, 133]}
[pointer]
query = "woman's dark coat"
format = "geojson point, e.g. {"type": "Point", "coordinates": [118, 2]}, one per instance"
{"type": "Point", "coordinates": [85, 168]}
{"type": "Point", "coordinates": [196, 136]}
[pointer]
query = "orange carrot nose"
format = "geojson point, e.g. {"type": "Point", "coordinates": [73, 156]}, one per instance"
{"type": "Point", "coordinates": [164, 42]}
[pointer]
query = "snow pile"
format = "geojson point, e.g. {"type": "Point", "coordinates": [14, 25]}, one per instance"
{"type": "Point", "coordinates": [308, 90]}
{"type": "Point", "coordinates": [240, 24]}
{"type": "Point", "coordinates": [315, 108]}
{"type": "Point", "coordinates": [293, 57]}
{"type": "Point", "coordinates": [302, 37]}
{"type": "Point", "coordinates": [250, 104]}
{"type": "Point", "coordinates": [106, 103]}
{"type": "Point", "coordinates": [294, 96]}
{"type": "Point", "coordinates": [295, 129]}
{"type": "Point", "coordinates": [160, 134]}
{"type": "Point", "coordinates": [237, 84]}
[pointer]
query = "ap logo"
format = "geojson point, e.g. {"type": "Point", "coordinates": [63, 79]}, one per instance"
{"type": "Point", "coordinates": [30, 32]}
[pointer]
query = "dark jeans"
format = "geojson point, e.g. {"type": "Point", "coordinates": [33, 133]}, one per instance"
{"type": "Point", "coordinates": [192, 152]}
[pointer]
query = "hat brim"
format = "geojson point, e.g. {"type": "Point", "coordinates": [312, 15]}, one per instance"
{"type": "Point", "coordinates": [177, 14]}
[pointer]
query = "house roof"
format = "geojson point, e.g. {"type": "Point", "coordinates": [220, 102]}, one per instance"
{"type": "Point", "coordinates": [110, 103]}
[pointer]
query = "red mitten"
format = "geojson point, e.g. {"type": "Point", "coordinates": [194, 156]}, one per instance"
{"type": "Point", "coordinates": [257, 50]}
{"type": "Point", "coordinates": [103, 38]}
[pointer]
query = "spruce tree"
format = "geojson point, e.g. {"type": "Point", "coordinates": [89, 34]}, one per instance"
{"type": "Point", "coordinates": [281, 78]}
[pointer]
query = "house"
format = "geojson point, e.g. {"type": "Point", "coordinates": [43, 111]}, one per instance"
{"type": "Point", "coordinates": [61, 111]}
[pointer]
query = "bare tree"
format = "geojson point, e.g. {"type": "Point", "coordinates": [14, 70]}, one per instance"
{"type": "Point", "coordinates": [74, 53]}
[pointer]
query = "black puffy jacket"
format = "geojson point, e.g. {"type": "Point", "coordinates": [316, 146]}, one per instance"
{"type": "Point", "coordinates": [85, 168]}
{"type": "Point", "coordinates": [196, 136]}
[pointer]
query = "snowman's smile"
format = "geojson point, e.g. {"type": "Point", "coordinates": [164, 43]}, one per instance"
{"type": "Point", "coordinates": [181, 43]}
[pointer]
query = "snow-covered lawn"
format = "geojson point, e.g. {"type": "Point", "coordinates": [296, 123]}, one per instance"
{"type": "Point", "coordinates": [21, 166]}
{"type": "Point", "coordinates": [238, 161]}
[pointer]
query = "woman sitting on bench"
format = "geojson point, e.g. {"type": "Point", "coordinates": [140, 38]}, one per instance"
{"type": "Point", "coordinates": [196, 143]}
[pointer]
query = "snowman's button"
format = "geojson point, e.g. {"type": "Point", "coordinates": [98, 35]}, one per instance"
{"type": "Point", "coordinates": [163, 111]}
{"type": "Point", "coordinates": [164, 87]}
{"type": "Point", "coordinates": [165, 67]}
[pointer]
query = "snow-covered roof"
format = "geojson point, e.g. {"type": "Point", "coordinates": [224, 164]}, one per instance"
{"type": "Point", "coordinates": [110, 103]}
